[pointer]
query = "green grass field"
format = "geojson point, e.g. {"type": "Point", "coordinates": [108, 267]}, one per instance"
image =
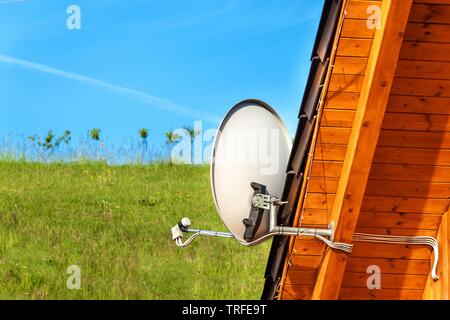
{"type": "Point", "coordinates": [114, 223]}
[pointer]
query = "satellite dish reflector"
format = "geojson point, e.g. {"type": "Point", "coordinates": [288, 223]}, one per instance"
{"type": "Point", "coordinates": [248, 169]}
{"type": "Point", "coordinates": [252, 145]}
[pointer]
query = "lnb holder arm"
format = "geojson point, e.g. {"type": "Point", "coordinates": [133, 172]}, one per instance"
{"type": "Point", "coordinates": [260, 203]}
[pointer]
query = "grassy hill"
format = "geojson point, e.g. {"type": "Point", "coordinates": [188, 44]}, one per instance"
{"type": "Point", "coordinates": [114, 223]}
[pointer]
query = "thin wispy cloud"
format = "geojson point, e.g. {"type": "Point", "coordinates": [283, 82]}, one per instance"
{"type": "Point", "coordinates": [192, 15]}
{"type": "Point", "coordinates": [157, 102]}
{"type": "Point", "coordinates": [13, 1]}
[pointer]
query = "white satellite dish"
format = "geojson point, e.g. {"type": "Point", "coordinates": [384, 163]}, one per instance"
{"type": "Point", "coordinates": [252, 145]}
{"type": "Point", "coordinates": [248, 171]}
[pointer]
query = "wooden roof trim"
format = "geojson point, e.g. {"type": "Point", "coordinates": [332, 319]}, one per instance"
{"type": "Point", "coordinates": [363, 141]}
{"type": "Point", "coordinates": [310, 154]}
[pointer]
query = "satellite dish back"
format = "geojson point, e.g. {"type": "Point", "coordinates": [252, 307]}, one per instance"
{"type": "Point", "coordinates": [252, 145]}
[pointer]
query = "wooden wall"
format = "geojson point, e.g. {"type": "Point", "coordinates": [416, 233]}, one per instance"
{"type": "Point", "coordinates": [409, 186]}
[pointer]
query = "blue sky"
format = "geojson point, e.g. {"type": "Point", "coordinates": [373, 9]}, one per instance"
{"type": "Point", "coordinates": [159, 64]}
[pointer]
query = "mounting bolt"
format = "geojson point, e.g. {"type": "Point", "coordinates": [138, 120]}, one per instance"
{"type": "Point", "coordinates": [331, 228]}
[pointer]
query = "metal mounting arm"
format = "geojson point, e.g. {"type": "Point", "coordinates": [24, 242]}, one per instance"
{"type": "Point", "coordinates": [183, 226]}
{"type": "Point", "coordinates": [265, 202]}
